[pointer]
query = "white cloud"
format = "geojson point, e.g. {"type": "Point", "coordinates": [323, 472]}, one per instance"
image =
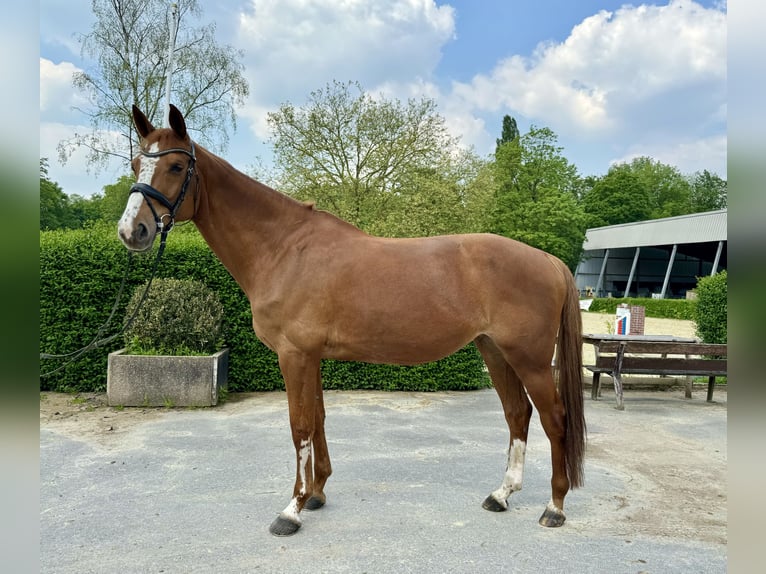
{"type": "Point", "coordinates": [611, 63]}
{"type": "Point", "coordinates": [60, 121]}
{"type": "Point", "coordinates": [458, 118]}
{"type": "Point", "coordinates": [688, 156]}
{"type": "Point", "coordinates": [73, 176]}
{"type": "Point", "coordinates": [57, 95]}
{"type": "Point", "coordinates": [295, 46]}
{"type": "Point", "coordinates": [76, 176]}
{"type": "Point", "coordinates": [651, 75]}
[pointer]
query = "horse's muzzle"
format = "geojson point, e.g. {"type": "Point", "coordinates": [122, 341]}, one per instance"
{"type": "Point", "coordinates": [139, 239]}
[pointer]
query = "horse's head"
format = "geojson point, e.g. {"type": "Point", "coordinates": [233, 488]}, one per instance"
{"type": "Point", "coordinates": [164, 169]}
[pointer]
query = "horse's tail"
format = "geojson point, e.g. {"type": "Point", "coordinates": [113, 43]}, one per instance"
{"type": "Point", "coordinates": [569, 376]}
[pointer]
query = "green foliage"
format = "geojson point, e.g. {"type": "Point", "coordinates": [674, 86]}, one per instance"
{"type": "Point", "coordinates": [177, 317]}
{"type": "Point", "coordinates": [61, 211]}
{"type": "Point", "coordinates": [648, 189]}
{"type": "Point", "coordinates": [52, 206]}
{"type": "Point", "coordinates": [462, 371]}
{"type": "Point", "coordinates": [708, 192]}
{"type": "Point", "coordinates": [659, 308]}
{"type": "Point", "coordinates": [80, 273]}
{"type": "Point", "coordinates": [509, 133]}
{"type": "Point", "coordinates": [52, 200]}
{"type": "Point", "coordinates": [535, 196]}
{"type": "Point", "coordinates": [433, 201]}
{"type": "Point", "coordinates": [668, 190]}
{"type": "Point", "coordinates": [387, 167]}
{"type": "Point", "coordinates": [712, 308]}
{"type": "Point", "coordinates": [115, 198]}
{"type": "Point", "coordinates": [618, 197]}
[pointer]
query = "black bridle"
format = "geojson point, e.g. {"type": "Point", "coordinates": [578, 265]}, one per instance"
{"type": "Point", "coordinates": [151, 193]}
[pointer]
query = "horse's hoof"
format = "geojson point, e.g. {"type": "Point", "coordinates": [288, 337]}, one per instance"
{"type": "Point", "coordinates": [552, 517]}
{"type": "Point", "coordinates": [283, 527]}
{"type": "Point", "coordinates": [314, 503]}
{"type": "Point", "coordinates": [493, 505]}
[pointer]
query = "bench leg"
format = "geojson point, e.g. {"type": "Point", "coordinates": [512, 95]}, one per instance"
{"type": "Point", "coordinates": [617, 376]}
{"type": "Point", "coordinates": [618, 391]}
{"type": "Point", "coordinates": [595, 389]}
{"type": "Point", "coordinates": [688, 385]}
{"type": "Point", "coordinates": [710, 388]}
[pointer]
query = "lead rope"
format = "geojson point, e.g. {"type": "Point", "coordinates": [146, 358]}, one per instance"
{"type": "Point", "coordinates": [99, 340]}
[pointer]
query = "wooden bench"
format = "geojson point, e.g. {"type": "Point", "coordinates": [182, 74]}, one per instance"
{"type": "Point", "coordinates": [617, 355]}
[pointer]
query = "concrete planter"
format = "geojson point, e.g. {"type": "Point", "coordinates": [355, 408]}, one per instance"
{"type": "Point", "coordinates": [161, 380]}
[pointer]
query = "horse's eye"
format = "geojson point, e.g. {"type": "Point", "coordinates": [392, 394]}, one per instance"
{"type": "Point", "coordinates": [176, 168]}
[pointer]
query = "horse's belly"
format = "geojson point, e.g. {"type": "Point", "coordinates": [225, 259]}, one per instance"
{"type": "Point", "coordinates": [399, 340]}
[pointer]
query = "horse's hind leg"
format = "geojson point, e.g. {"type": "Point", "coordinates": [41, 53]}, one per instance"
{"type": "Point", "coordinates": [517, 410]}
{"type": "Point", "coordinates": [542, 390]}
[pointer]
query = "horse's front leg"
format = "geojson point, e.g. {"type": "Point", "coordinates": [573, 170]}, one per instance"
{"type": "Point", "coordinates": [301, 375]}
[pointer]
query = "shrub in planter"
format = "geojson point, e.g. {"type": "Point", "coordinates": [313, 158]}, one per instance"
{"type": "Point", "coordinates": [172, 354]}
{"type": "Point", "coordinates": [177, 317]}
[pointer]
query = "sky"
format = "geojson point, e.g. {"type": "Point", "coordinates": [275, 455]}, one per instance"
{"type": "Point", "coordinates": [613, 80]}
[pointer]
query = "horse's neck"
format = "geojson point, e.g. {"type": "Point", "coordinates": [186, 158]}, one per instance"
{"type": "Point", "coordinates": [243, 221]}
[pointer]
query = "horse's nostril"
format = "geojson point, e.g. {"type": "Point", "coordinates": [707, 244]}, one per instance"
{"type": "Point", "coordinates": [141, 231]}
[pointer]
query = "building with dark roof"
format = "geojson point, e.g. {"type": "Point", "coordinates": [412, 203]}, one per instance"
{"type": "Point", "coordinates": [660, 258]}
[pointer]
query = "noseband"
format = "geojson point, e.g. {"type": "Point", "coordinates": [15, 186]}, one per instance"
{"type": "Point", "coordinates": [149, 192]}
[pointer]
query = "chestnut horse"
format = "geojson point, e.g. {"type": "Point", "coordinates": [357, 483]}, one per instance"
{"type": "Point", "coordinates": [321, 288]}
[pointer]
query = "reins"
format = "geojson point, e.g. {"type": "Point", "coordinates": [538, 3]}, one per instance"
{"type": "Point", "coordinates": [164, 228]}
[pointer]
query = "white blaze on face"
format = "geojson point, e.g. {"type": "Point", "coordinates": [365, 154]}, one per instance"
{"type": "Point", "coordinates": [145, 175]}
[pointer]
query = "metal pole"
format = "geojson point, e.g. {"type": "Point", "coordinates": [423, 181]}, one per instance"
{"type": "Point", "coordinates": [717, 259]}
{"type": "Point", "coordinates": [632, 272]}
{"type": "Point", "coordinates": [171, 49]}
{"type": "Point", "coordinates": [601, 275]}
{"type": "Point", "coordinates": [667, 273]}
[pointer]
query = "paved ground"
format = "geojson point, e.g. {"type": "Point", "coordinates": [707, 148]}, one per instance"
{"type": "Point", "coordinates": [171, 490]}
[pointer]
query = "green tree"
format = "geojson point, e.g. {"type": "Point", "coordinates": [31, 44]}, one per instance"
{"type": "Point", "coordinates": [387, 167]}
{"type": "Point", "coordinates": [436, 200]}
{"type": "Point", "coordinates": [61, 211]}
{"type": "Point", "coordinates": [84, 210]}
{"type": "Point", "coordinates": [128, 45]}
{"type": "Point", "coordinates": [509, 133]}
{"type": "Point", "coordinates": [669, 191]}
{"type": "Point", "coordinates": [636, 191]}
{"type": "Point", "coordinates": [618, 197]}
{"type": "Point", "coordinates": [535, 195]}
{"type": "Point", "coordinates": [115, 198]}
{"type": "Point", "coordinates": [53, 201]}
{"type": "Point", "coordinates": [708, 192]}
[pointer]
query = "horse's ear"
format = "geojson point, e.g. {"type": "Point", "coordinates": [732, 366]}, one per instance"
{"type": "Point", "coordinates": [143, 125]}
{"type": "Point", "coordinates": [177, 122]}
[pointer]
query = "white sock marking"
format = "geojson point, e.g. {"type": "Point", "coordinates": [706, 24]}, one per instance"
{"type": "Point", "coordinates": [304, 455]}
{"type": "Point", "coordinates": [514, 473]}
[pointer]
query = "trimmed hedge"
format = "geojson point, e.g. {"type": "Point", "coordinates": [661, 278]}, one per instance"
{"type": "Point", "coordinates": [80, 273]}
{"type": "Point", "coordinates": [658, 308]}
